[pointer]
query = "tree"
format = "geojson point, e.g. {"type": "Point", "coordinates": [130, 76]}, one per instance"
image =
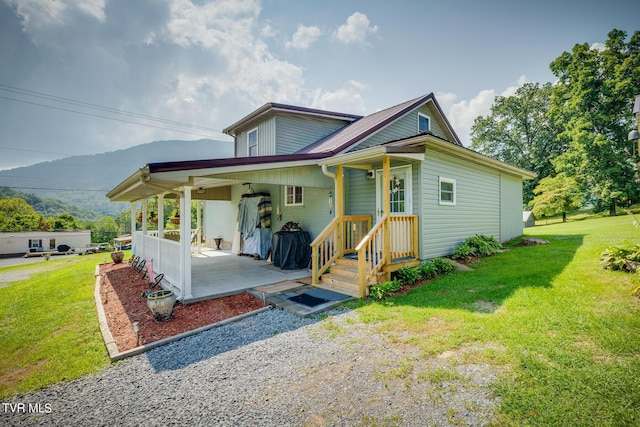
{"type": "Point", "coordinates": [105, 229]}
{"type": "Point", "coordinates": [65, 221]}
{"type": "Point", "coordinates": [519, 131]}
{"type": "Point", "coordinates": [593, 99]}
{"type": "Point", "coordinates": [557, 195]}
{"type": "Point", "coordinates": [17, 215]}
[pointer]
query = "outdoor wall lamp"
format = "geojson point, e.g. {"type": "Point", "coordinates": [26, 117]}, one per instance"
{"type": "Point", "coordinates": [330, 202]}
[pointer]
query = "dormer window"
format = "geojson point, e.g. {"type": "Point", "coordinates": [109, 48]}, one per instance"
{"type": "Point", "coordinates": [252, 143]}
{"type": "Point", "coordinates": [424, 123]}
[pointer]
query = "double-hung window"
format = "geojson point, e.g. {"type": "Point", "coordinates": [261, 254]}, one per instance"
{"type": "Point", "coordinates": [293, 196]}
{"type": "Point", "coordinates": [424, 123]}
{"type": "Point", "coordinates": [447, 191]}
{"type": "Point", "coordinates": [252, 143]}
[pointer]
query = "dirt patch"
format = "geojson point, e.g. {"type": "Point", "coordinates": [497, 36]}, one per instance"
{"type": "Point", "coordinates": [124, 304]}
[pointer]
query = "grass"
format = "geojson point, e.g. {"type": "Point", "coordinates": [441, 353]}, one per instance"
{"type": "Point", "coordinates": [48, 325]}
{"type": "Point", "coordinates": [564, 332]}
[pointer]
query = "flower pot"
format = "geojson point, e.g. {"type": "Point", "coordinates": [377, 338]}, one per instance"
{"type": "Point", "coordinates": [117, 256]}
{"type": "Point", "coordinates": [175, 220]}
{"type": "Point", "coordinates": [161, 305]}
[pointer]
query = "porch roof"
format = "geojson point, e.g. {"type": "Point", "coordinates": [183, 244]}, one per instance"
{"type": "Point", "coordinates": [170, 177]}
{"type": "Point", "coordinates": [414, 148]}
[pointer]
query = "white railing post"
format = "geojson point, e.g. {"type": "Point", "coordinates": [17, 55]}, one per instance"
{"type": "Point", "coordinates": [185, 242]}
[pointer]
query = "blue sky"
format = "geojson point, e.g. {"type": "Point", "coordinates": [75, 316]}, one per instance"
{"type": "Point", "coordinates": [209, 63]}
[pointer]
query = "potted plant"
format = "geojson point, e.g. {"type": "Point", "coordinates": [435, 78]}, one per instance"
{"type": "Point", "coordinates": [117, 256]}
{"type": "Point", "coordinates": [161, 304]}
{"type": "Point", "coordinates": [175, 218]}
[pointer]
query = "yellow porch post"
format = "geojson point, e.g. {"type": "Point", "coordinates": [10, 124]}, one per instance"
{"type": "Point", "coordinates": [339, 202]}
{"type": "Point", "coordinates": [386, 210]}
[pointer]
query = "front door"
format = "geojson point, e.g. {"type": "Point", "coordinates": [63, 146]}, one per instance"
{"type": "Point", "coordinates": [400, 197]}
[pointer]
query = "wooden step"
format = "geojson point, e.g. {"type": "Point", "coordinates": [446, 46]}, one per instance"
{"type": "Point", "coordinates": [347, 261]}
{"type": "Point", "coordinates": [350, 271]}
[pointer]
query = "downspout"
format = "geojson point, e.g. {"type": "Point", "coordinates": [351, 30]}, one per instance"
{"type": "Point", "coordinates": [331, 175]}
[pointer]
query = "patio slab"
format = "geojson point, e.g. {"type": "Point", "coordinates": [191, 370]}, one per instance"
{"type": "Point", "coordinates": [217, 273]}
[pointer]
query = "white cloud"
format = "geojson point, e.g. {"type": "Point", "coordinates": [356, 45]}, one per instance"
{"type": "Point", "coordinates": [347, 99]}
{"type": "Point", "coordinates": [356, 30]}
{"type": "Point", "coordinates": [36, 14]}
{"type": "Point", "coordinates": [600, 47]}
{"type": "Point", "coordinates": [304, 37]}
{"type": "Point", "coordinates": [461, 114]}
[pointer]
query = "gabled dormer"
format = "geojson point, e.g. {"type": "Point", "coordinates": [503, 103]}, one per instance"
{"type": "Point", "coordinates": [277, 129]}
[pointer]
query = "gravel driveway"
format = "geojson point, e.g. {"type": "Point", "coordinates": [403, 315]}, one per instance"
{"type": "Point", "coordinates": [272, 369]}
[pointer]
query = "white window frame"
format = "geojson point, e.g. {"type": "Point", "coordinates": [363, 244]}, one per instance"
{"type": "Point", "coordinates": [35, 243]}
{"type": "Point", "coordinates": [428, 121]}
{"type": "Point", "coordinates": [248, 143]}
{"type": "Point", "coordinates": [447, 181]}
{"type": "Point", "coordinates": [295, 202]}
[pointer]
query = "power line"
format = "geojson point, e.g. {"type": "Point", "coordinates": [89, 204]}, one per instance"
{"type": "Point", "coordinates": [61, 99]}
{"type": "Point", "coordinates": [36, 151]}
{"type": "Point", "coordinates": [53, 189]}
{"type": "Point", "coordinates": [104, 117]}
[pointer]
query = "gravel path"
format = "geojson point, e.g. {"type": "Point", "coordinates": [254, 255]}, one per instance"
{"type": "Point", "coordinates": [272, 369]}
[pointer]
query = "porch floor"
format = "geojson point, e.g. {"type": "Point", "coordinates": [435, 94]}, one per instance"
{"type": "Point", "coordinates": [217, 273]}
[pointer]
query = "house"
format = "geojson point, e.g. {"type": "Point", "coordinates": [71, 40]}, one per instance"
{"type": "Point", "coordinates": [375, 193]}
{"type": "Point", "coordinates": [20, 242]}
{"type": "Point", "coordinates": [528, 219]}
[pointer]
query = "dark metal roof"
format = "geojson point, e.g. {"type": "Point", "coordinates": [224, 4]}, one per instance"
{"type": "Point", "coordinates": [273, 107]}
{"type": "Point", "coordinates": [357, 131]}
{"type": "Point", "coordinates": [232, 161]}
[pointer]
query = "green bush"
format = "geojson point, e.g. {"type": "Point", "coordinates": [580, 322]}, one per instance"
{"type": "Point", "coordinates": [427, 270]}
{"type": "Point", "coordinates": [478, 245]}
{"type": "Point", "coordinates": [409, 275]}
{"type": "Point", "coordinates": [624, 258]}
{"type": "Point", "coordinates": [443, 265]}
{"type": "Point", "coordinates": [464, 251]}
{"type": "Point", "coordinates": [384, 290]}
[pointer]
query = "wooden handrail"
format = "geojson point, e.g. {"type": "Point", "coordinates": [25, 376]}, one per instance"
{"type": "Point", "coordinates": [337, 238]}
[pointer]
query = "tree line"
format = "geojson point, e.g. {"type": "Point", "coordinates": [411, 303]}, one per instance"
{"type": "Point", "coordinates": [572, 133]}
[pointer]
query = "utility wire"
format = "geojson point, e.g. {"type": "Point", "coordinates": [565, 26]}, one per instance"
{"type": "Point", "coordinates": [55, 98]}
{"type": "Point", "coordinates": [104, 117]}
{"type": "Point", "coordinates": [56, 189]}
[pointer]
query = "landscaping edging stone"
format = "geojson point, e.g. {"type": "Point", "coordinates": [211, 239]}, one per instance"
{"type": "Point", "coordinates": [112, 348]}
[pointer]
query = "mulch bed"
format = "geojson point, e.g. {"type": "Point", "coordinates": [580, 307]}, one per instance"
{"type": "Point", "coordinates": [125, 304]}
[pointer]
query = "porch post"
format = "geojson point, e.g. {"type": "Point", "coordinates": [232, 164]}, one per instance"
{"type": "Point", "coordinates": [144, 216]}
{"type": "Point", "coordinates": [198, 224]}
{"type": "Point", "coordinates": [339, 206]}
{"type": "Point", "coordinates": [185, 242]}
{"type": "Point", "coordinates": [133, 226]}
{"type": "Point", "coordinates": [161, 216]}
{"type": "Point", "coordinates": [386, 209]}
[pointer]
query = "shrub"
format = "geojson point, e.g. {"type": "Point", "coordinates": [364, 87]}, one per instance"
{"type": "Point", "coordinates": [464, 251]}
{"type": "Point", "coordinates": [384, 290]}
{"type": "Point", "coordinates": [427, 270]}
{"type": "Point", "coordinates": [443, 265]}
{"type": "Point", "coordinates": [409, 275]}
{"type": "Point", "coordinates": [478, 245]}
{"type": "Point", "coordinates": [624, 258]}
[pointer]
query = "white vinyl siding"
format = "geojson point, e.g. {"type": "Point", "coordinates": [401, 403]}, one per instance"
{"type": "Point", "coordinates": [477, 209]}
{"type": "Point", "coordinates": [511, 225]}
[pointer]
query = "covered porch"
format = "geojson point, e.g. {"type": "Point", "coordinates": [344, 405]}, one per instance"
{"type": "Point", "coordinates": [217, 273]}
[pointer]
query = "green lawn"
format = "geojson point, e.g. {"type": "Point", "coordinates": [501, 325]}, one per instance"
{"type": "Point", "coordinates": [564, 332]}
{"type": "Point", "coordinates": [49, 326]}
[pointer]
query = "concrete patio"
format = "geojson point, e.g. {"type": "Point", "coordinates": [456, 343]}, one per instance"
{"type": "Point", "coordinates": [216, 273]}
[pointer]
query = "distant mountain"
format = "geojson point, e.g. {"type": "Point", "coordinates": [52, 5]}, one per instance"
{"type": "Point", "coordinates": [84, 180]}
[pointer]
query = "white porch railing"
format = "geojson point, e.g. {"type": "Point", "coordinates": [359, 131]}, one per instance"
{"type": "Point", "coordinates": [164, 255]}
